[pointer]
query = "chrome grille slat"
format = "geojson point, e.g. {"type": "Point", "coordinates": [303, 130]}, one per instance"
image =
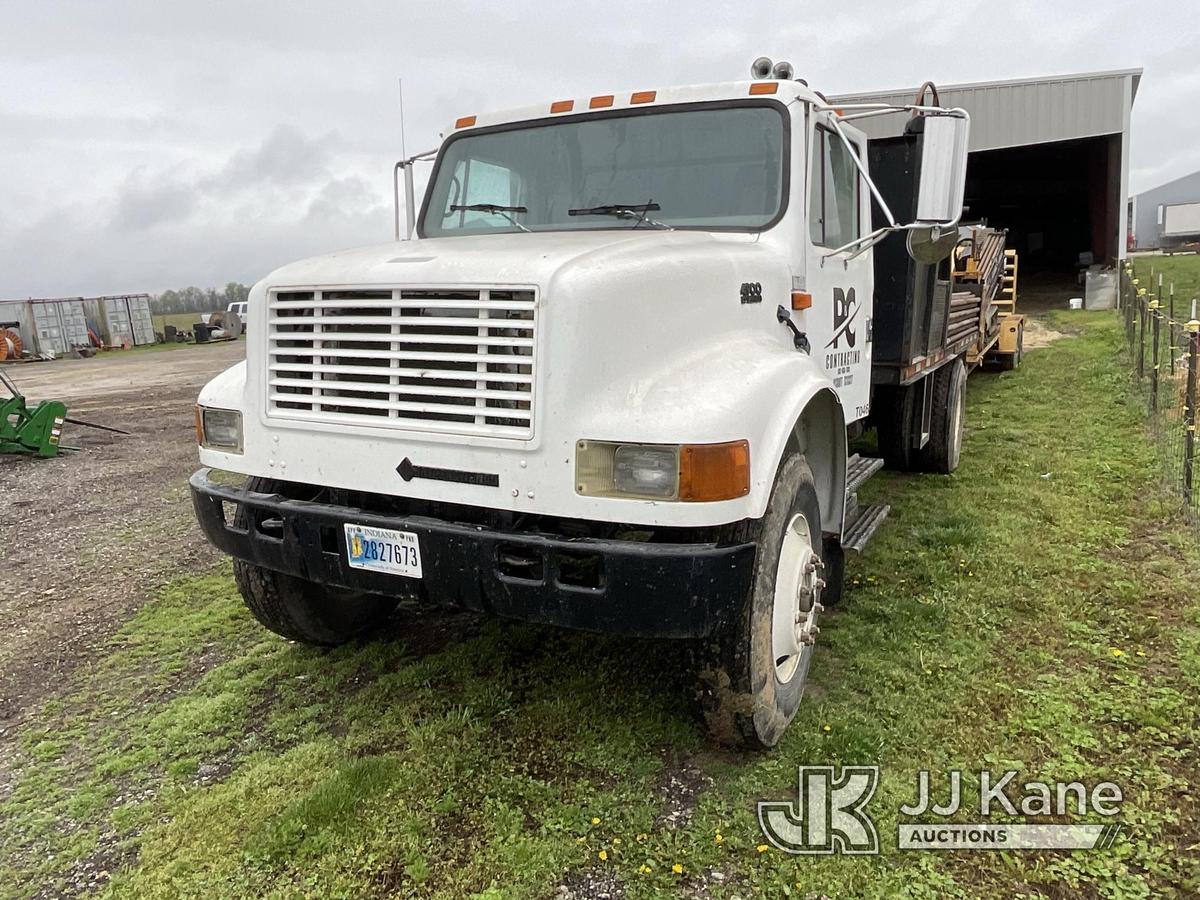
{"type": "Point", "coordinates": [447, 360]}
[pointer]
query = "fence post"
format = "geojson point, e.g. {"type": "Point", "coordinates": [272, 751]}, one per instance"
{"type": "Point", "coordinates": [1171, 348]}
{"type": "Point", "coordinates": [1189, 408]}
{"type": "Point", "coordinates": [1141, 332]}
{"type": "Point", "coordinates": [1155, 318]}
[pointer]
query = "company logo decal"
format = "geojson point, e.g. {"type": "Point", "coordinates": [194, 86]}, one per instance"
{"type": "Point", "coordinates": [845, 310]}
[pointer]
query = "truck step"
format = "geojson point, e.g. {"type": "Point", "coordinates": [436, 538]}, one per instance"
{"type": "Point", "coordinates": [863, 528]}
{"type": "Point", "coordinates": [859, 469]}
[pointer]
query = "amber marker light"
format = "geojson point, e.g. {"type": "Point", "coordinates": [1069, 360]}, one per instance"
{"type": "Point", "coordinates": [643, 97]}
{"type": "Point", "coordinates": [601, 102]}
{"type": "Point", "coordinates": [561, 106]}
{"type": "Point", "coordinates": [710, 472]}
{"type": "Point", "coordinates": [801, 300]}
{"type": "Point", "coordinates": [764, 87]}
{"type": "Point", "coordinates": [464, 122]}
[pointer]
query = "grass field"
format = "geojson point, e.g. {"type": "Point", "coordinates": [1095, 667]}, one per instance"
{"type": "Point", "coordinates": [1183, 271]}
{"type": "Point", "coordinates": [182, 321]}
{"type": "Point", "coordinates": [1034, 611]}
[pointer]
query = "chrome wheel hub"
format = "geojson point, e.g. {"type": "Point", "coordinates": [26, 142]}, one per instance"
{"type": "Point", "coordinates": [797, 604]}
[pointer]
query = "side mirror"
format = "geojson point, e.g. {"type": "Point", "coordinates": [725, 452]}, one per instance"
{"type": "Point", "coordinates": [943, 170]}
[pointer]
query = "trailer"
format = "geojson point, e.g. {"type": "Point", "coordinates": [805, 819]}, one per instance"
{"type": "Point", "coordinates": [606, 379]}
{"type": "Point", "coordinates": [1180, 226]}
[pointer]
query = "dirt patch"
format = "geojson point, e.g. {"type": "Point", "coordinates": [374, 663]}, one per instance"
{"type": "Point", "coordinates": [680, 789]}
{"type": "Point", "coordinates": [86, 538]}
{"type": "Point", "coordinates": [1039, 335]}
{"type": "Point", "coordinates": [590, 885]}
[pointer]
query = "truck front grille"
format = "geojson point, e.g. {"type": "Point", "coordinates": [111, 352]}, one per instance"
{"type": "Point", "coordinates": [457, 361]}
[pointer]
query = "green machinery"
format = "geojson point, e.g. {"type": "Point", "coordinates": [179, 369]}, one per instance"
{"type": "Point", "coordinates": [35, 431]}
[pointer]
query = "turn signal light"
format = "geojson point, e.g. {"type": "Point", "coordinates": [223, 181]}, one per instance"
{"type": "Point", "coordinates": [714, 471]}
{"type": "Point", "coordinates": [801, 300]}
{"type": "Point", "coordinates": [464, 122]}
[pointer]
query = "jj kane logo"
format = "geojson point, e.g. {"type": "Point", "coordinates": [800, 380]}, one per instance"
{"type": "Point", "coordinates": [829, 814]}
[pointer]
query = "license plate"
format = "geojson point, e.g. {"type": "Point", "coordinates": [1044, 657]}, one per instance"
{"type": "Point", "coordinates": [383, 550]}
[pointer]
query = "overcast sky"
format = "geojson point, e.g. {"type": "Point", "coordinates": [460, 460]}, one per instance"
{"type": "Point", "coordinates": [147, 144]}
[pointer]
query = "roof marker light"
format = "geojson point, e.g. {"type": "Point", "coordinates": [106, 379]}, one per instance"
{"type": "Point", "coordinates": [764, 87]}
{"type": "Point", "coordinates": [560, 106]}
{"type": "Point", "coordinates": [601, 102]}
{"type": "Point", "coordinates": [643, 96]}
{"type": "Point", "coordinates": [464, 122]}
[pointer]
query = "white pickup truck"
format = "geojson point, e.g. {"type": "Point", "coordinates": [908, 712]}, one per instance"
{"type": "Point", "coordinates": [606, 383]}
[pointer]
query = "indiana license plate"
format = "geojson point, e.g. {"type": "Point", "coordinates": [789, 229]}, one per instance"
{"type": "Point", "coordinates": [383, 550]}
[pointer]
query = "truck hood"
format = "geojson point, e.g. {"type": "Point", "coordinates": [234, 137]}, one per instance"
{"type": "Point", "coordinates": [502, 258]}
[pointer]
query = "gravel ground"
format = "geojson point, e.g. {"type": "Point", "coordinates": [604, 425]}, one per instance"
{"type": "Point", "coordinates": [86, 538]}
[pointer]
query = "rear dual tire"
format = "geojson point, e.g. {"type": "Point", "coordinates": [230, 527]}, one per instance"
{"type": "Point", "coordinates": [896, 426]}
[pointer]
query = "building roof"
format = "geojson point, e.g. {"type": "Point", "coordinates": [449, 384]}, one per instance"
{"type": "Point", "coordinates": [1020, 111]}
{"type": "Point", "coordinates": [1190, 181]}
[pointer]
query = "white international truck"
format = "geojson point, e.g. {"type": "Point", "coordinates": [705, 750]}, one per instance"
{"type": "Point", "coordinates": [606, 381]}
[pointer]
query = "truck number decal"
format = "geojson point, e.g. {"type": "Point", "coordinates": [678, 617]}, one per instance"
{"type": "Point", "coordinates": [751, 292]}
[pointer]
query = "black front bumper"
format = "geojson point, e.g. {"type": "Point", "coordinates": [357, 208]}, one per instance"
{"type": "Point", "coordinates": [630, 587]}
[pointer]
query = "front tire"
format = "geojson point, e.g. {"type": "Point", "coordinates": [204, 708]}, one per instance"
{"type": "Point", "coordinates": [757, 663]}
{"type": "Point", "coordinates": [301, 610]}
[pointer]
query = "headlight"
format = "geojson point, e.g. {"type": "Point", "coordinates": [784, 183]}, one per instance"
{"type": "Point", "coordinates": [688, 472]}
{"type": "Point", "coordinates": [219, 429]}
{"type": "Point", "coordinates": [646, 471]}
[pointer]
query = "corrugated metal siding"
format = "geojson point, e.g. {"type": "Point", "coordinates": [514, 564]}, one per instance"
{"type": "Point", "coordinates": [19, 311]}
{"type": "Point", "coordinates": [1014, 114]}
{"type": "Point", "coordinates": [128, 320]}
{"type": "Point", "coordinates": [60, 325]}
{"type": "Point", "coordinates": [1146, 229]}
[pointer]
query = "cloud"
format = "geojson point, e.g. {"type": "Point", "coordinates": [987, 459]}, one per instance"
{"type": "Point", "coordinates": [147, 144]}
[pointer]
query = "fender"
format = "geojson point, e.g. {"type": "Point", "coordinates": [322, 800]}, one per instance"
{"type": "Point", "coordinates": [227, 390]}
{"type": "Point", "coordinates": [812, 422]}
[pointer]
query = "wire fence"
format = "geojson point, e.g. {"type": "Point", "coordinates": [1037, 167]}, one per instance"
{"type": "Point", "coordinates": [1164, 345]}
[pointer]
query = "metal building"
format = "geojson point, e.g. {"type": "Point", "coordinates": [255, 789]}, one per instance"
{"type": "Point", "coordinates": [1153, 209]}
{"type": "Point", "coordinates": [1049, 161]}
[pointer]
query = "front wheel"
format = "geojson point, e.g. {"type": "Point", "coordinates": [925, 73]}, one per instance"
{"type": "Point", "coordinates": [756, 666]}
{"type": "Point", "coordinates": [301, 610]}
{"type": "Point", "coordinates": [305, 611]}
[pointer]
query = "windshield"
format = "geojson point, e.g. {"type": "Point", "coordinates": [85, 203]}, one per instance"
{"type": "Point", "coordinates": [699, 167]}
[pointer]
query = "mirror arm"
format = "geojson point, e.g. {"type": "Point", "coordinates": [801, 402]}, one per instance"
{"type": "Point", "coordinates": [409, 192]}
{"type": "Point", "coordinates": [887, 212]}
{"type": "Point", "coordinates": [863, 244]}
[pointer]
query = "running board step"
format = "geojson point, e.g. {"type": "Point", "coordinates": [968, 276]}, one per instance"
{"type": "Point", "coordinates": [859, 469]}
{"type": "Point", "coordinates": [863, 528]}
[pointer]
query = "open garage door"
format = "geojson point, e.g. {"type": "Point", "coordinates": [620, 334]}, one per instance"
{"type": "Point", "coordinates": [1057, 200]}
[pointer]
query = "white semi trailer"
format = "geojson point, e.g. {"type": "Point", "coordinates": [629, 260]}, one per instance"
{"type": "Point", "coordinates": [608, 381]}
{"type": "Point", "coordinates": [1180, 225]}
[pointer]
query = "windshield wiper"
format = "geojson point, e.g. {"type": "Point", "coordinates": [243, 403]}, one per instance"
{"type": "Point", "coordinates": [494, 208]}
{"type": "Point", "coordinates": [623, 211]}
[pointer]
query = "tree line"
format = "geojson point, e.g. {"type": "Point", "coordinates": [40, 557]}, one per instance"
{"type": "Point", "coordinates": [198, 300]}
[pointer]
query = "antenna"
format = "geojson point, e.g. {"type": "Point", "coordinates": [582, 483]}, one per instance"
{"type": "Point", "coordinates": [403, 150]}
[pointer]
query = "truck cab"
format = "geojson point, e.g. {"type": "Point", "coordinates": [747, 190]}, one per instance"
{"type": "Point", "coordinates": [605, 383]}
